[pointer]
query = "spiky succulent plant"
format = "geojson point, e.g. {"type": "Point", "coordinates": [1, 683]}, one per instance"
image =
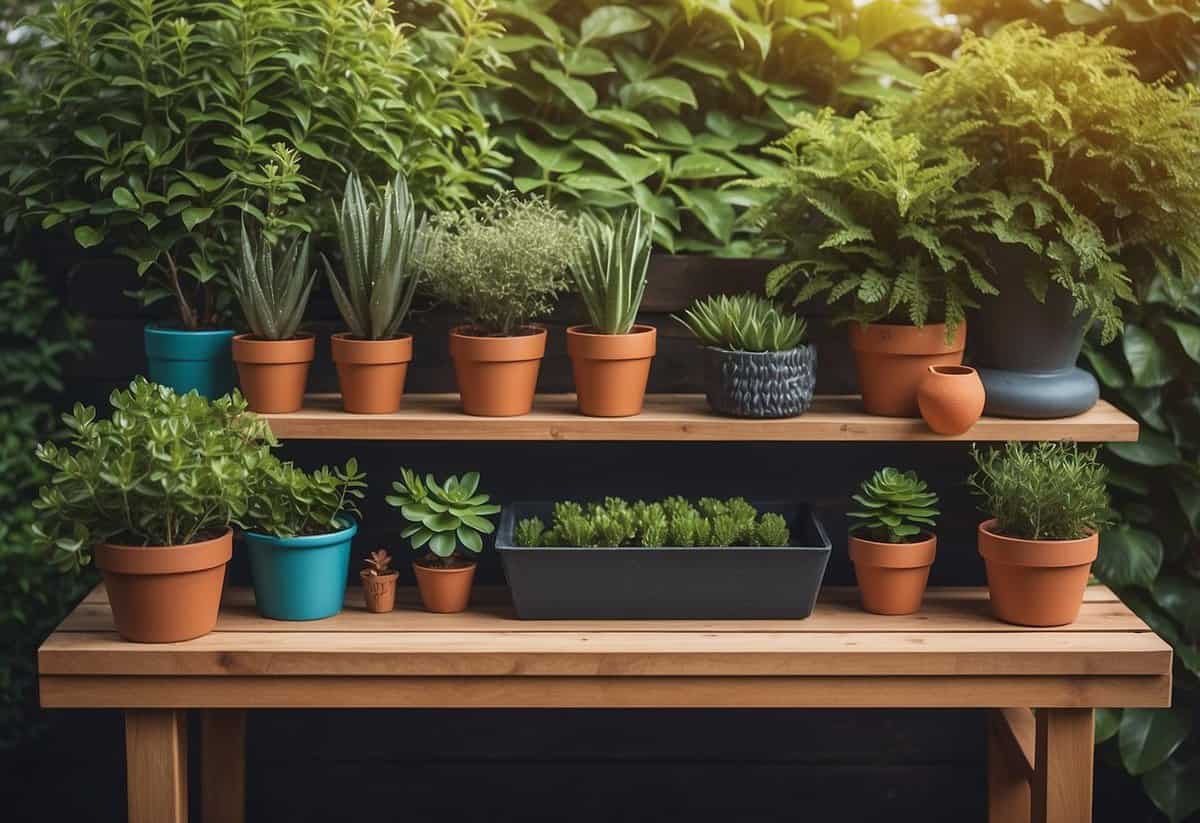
{"type": "Point", "coordinates": [610, 269]}
{"type": "Point", "coordinates": [895, 507]}
{"type": "Point", "coordinates": [443, 516]}
{"type": "Point", "coordinates": [380, 244]}
{"type": "Point", "coordinates": [273, 290]}
{"type": "Point", "coordinates": [743, 322]}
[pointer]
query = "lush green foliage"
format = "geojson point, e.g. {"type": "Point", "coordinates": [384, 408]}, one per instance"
{"type": "Point", "coordinates": [273, 294]}
{"type": "Point", "coordinates": [379, 240]}
{"type": "Point", "coordinates": [163, 470]}
{"type": "Point", "coordinates": [501, 262]}
{"type": "Point", "coordinates": [743, 322]}
{"type": "Point", "coordinates": [1042, 491]}
{"type": "Point", "coordinates": [610, 269]}
{"type": "Point", "coordinates": [286, 501]}
{"type": "Point", "coordinates": [443, 517]}
{"type": "Point", "coordinates": [672, 522]}
{"type": "Point", "coordinates": [875, 217]}
{"type": "Point", "coordinates": [895, 507]}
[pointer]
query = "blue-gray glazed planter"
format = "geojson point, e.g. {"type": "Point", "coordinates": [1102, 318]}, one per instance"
{"type": "Point", "coordinates": [300, 578]}
{"type": "Point", "coordinates": [187, 360]}
{"type": "Point", "coordinates": [760, 384]}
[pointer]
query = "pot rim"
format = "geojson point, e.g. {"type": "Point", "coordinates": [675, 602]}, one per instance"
{"type": "Point", "coordinates": [157, 329]}
{"type": "Point", "coordinates": [893, 555]}
{"type": "Point", "coordinates": [392, 574]}
{"type": "Point", "coordinates": [900, 339]}
{"type": "Point", "coordinates": [953, 371]}
{"type": "Point", "coordinates": [641, 343]}
{"type": "Point", "coordinates": [539, 330]}
{"type": "Point", "coordinates": [456, 570]}
{"type": "Point", "coordinates": [307, 541]}
{"type": "Point", "coordinates": [803, 347]}
{"type": "Point", "coordinates": [117, 558]}
{"type": "Point", "coordinates": [295, 350]}
{"type": "Point", "coordinates": [1016, 551]}
{"type": "Point", "coordinates": [353, 351]}
{"type": "Point", "coordinates": [636, 330]}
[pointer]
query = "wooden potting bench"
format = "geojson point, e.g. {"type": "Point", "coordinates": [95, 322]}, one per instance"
{"type": "Point", "coordinates": [951, 654]}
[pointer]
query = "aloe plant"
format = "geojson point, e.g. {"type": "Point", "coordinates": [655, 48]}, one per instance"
{"type": "Point", "coordinates": [610, 269]}
{"type": "Point", "coordinates": [273, 293]}
{"type": "Point", "coordinates": [379, 238]}
{"type": "Point", "coordinates": [743, 322]}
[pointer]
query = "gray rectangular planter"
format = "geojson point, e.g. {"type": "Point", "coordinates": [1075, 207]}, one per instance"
{"type": "Point", "coordinates": [666, 583]}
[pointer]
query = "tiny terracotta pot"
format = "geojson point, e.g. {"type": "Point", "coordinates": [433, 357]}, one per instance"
{"type": "Point", "coordinates": [379, 591]}
{"type": "Point", "coordinates": [1036, 582]}
{"type": "Point", "coordinates": [951, 399]}
{"type": "Point", "coordinates": [371, 372]}
{"type": "Point", "coordinates": [611, 370]}
{"type": "Point", "coordinates": [892, 576]}
{"type": "Point", "coordinates": [892, 361]}
{"type": "Point", "coordinates": [165, 594]}
{"type": "Point", "coordinates": [273, 373]}
{"type": "Point", "coordinates": [497, 376]}
{"type": "Point", "coordinates": [445, 591]}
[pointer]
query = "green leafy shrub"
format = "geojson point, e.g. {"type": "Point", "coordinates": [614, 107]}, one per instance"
{"type": "Point", "coordinates": [502, 262]}
{"type": "Point", "coordinates": [895, 507]}
{"type": "Point", "coordinates": [273, 293]}
{"type": "Point", "coordinates": [1043, 491]}
{"type": "Point", "coordinates": [443, 517]}
{"type": "Point", "coordinates": [610, 269]}
{"type": "Point", "coordinates": [744, 322]}
{"type": "Point", "coordinates": [286, 501]}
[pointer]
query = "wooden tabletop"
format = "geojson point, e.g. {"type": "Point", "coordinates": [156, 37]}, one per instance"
{"type": "Point", "coordinates": [952, 653]}
{"type": "Point", "coordinates": [669, 417]}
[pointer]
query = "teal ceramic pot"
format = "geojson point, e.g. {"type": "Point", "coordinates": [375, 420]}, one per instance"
{"type": "Point", "coordinates": [186, 360]}
{"type": "Point", "coordinates": [300, 578]}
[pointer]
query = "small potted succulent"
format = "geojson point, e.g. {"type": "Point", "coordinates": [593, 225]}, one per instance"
{"type": "Point", "coordinates": [1048, 502]}
{"type": "Point", "coordinates": [611, 357]}
{"type": "Point", "coordinates": [503, 263]}
{"type": "Point", "coordinates": [892, 544]}
{"type": "Point", "coordinates": [447, 522]}
{"type": "Point", "coordinates": [379, 582]}
{"type": "Point", "coordinates": [756, 363]}
{"type": "Point", "coordinates": [299, 528]}
{"type": "Point", "coordinates": [274, 357]}
{"type": "Point", "coordinates": [380, 244]}
{"type": "Point", "coordinates": [153, 493]}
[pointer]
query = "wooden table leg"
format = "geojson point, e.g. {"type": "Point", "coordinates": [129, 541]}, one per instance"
{"type": "Point", "coordinates": [1062, 781]}
{"type": "Point", "coordinates": [156, 765]}
{"type": "Point", "coordinates": [223, 766]}
{"type": "Point", "coordinates": [1010, 753]}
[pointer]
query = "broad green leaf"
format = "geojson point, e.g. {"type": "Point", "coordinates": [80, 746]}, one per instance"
{"type": "Point", "coordinates": [1128, 557]}
{"type": "Point", "coordinates": [739, 131]}
{"type": "Point", "coordinates": [700, 166]}
{"type": "Point", "coordinates": [97, 137]}
{"type": "Point", "coordinates": [195, 216]}
{"type": "Point", "coordinates": [845, 49]}
{"type": "Point", "coordinates": [611, 21]}
{"type": "Point", "coordinates": [585, 181]}
{"type": "Point", "coordinates": [1149, 363]}
{"type": "Point", "coordinates": [586, 62]}
{"type": "Point", "coordinates": [558, 159]}
{"type": "Point", "coordinates": [671, 89]}
{"type": "Point", "coordinates": [628, 167]}
{"type": "Point", "coordinates": [1109, 373]}
{"type": "Point", "coordinates": [881, 20]}
{"type": "Point", "coordinates": [707, 206]}
{"type": "Point", "coordinates": [1108, 723]}
{"type": "Point", "coordinates": [1180, 597]}
{"type": "Point", "coordinates": [1174, 787]}
{"type": "Point", "coordinates": [1188, 335]}
{"type": "Point", "coordinates": [1151, 449]}
{"type": "Point", "coordinates": [622, 118]}
{"type": "Point", "coordinates": [577, 91]}
{"type": "Point", "coordinates": [672, 130]}
{"type": "Point", "coordinates": [88, 237]}
{"type": "Point", "coordinates": [1149, 736]}
{"type": "Point", "coordinates": [124, 198]}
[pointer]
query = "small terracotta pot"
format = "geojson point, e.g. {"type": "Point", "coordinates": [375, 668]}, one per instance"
{"type": "Point", "coordinates": [951, 398]}
{"type": "Point", "coordinates": [165, 594]}
{"type": "Point", "coordinates": [1036, 582]}
{"type": "Point", "coordinates": [892, 576]}
{"type": "Point", "coordinates": [371, 372]}
{"type": "Point", "coordinates": [273, 373]}
{"type": "Point", "coordinates": [497, 376]}
{"type": "Point", "coordinates": [379, 591]}
{"type": "Point", "coordinates": [892, 361]}
{"type": "Point", "coordinates": [444, 591]}
{"type": "Point", "coordinates": [611, 370]}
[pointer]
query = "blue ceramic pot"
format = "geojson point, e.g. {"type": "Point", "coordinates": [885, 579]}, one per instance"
{"type": "Point", "coordinates": [300, 578]}
{"type": "Point", "coordinates": [186, 360]}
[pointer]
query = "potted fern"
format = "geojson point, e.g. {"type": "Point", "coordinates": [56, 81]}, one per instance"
{"type": "Point", "coordinates": [756, 363]}
{"type": "Point", "coordinates": [892, 544]}
{"type": "Point", "coordinates": [378, 236]}
{"type": "Point", "coordinates": [273, 290]}
{"type": "Point", "coordinates": [611, 357]}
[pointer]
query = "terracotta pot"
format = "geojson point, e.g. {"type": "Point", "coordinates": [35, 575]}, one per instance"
{"type": "Point", "coordinates": [1036, 582]}
{"type": "Point", "coordinates": [379, 590]}
{"type": "Point", "coordinates": [892, 576]}
{"type": "Point", "coordinates": [445, 591]}
{"type": "Point", "coordinates": [951, 398]}
{"type": "Point", "coordinates": [371, 372]}
{"type": "Point", "coordinates": [165, 594]}
{"type": "Point", "coordinates": [273, 373]}
{"type": "Point", "coordinates": [611, 370]}
{"type": "Point", "coordinates": [497, 376]}
{"type": "Point", "coordinates": [893, 360]}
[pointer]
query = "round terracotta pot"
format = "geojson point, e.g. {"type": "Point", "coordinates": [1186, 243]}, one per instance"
{"type": "Point", "coordinates": [444, 591]}
{"type": "Point", "coordinates": [1036, 582]}
{"type": "Point", "coordinates": [273, 373]}
{"type": "Point", "coordinates": [892, 576]}
{"type": "Point", "coordinates": [611, 370]}
{"type": "Point", "coordinates": [951, 398]}
{"type": "Point", "coordinates": [497, 376]}
{"type": "Point", "coordinates": [379, 591]}
{"type": "Point", "coordinates": [893, 360]}
{"type": "Point", "coordinates": [371, 372]}
{"type": "Point", "coordinates": [165, 594]}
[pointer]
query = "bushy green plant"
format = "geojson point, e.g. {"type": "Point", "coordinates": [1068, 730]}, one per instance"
{"type": "Point", "coordinates": [1042, 491]}
{"type": "Point", "coordinates": [895, 507]}
{"type": "Point", "coordinates": [380, 244]}
{"type": "Point", "coordinates": [610, 269]}
{"type": "Point", "coordinates": [744, 322]}
{"type": "Point", "coordinates": [273, 293]}
{"type": "Point", "coordinates": [444, 517]}
{"type": "Point", "coordinates": [163, 470]}
{"type": "Point", "coordinates": [501, 262]}
{"type": "Point", "coordinates": [873, 218]}
{"type": "Point", "coordinates": [286, 501]}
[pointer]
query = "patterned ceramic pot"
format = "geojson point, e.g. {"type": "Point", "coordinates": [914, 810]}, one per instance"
{"type": "Point", "coordinates": [760, 384]}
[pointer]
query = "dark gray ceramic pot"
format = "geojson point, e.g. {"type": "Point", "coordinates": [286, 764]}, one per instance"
{"type": "Point", "coordinates": [760, 384]}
